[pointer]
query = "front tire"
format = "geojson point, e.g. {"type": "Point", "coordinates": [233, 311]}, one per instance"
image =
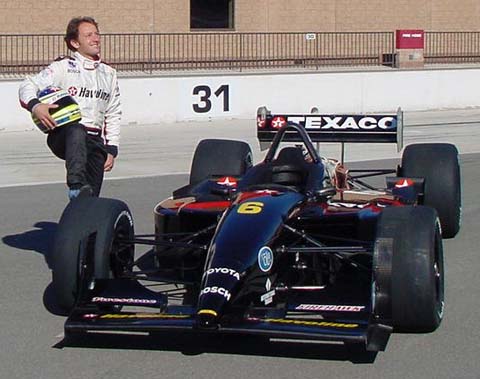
{"type": "Point", "coordinates": [87, 246]}
{"type": "Point", "coordinates": [408, 272]}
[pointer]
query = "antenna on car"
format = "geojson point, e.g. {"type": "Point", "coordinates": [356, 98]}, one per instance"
{"type": "Point", "coordinates": [315, 110]}
{"type": "Point", "coordinates": [399, 129]}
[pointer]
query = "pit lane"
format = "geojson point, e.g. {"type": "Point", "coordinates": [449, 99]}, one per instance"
{"type": "Point", "coordinates": [31, 336]}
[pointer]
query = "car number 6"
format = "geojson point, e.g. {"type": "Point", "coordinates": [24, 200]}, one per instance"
{"type": "Point", "coordinates": [250, 207]}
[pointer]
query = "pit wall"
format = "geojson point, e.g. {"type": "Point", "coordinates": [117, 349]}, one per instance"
{"type": "Point", "coordinates": [152, 100]}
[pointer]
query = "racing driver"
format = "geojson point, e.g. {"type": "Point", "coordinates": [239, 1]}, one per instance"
{"type": "Point", "coordinates": [89, 147]}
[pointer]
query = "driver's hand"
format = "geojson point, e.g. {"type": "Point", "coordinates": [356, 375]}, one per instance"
{"type": "Point", "coordinates": [109, 162]}
{"type": "Point", "coordinates": [41, 111]}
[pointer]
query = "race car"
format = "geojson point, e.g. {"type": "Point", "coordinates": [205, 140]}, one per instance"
{"type": "Point", "coordinates": [297, 246]}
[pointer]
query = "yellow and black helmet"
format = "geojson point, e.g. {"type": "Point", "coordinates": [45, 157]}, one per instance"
{"type": "Point", "coordinates": [67, 112]}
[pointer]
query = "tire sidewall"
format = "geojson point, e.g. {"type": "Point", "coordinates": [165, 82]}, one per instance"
{"type": "Point", "coordinates": [416, 293]}
{"type": "Point", "coordinates": [438, 164]}
{"type": "Point", "coordinates": [83, 219]}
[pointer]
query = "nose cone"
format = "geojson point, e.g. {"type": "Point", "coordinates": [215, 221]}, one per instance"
{"type": "Point", "coordinates": [207, 319]}
{"type": "Point", "coordinates": [217, 292]}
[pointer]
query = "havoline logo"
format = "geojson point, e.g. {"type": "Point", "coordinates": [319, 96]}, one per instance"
{"type": "Point", "coordinates": [93, 94]}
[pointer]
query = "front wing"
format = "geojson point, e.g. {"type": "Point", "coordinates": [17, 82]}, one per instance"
{"type": "Point", "coordinates": [262, 322]}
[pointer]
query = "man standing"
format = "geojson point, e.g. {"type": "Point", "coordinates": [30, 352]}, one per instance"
{"type": "Point", "coordinates": [89, 147]}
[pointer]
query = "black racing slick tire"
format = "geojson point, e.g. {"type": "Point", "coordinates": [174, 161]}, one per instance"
{"type": "Point", "coordinates": [219, 157]}
{"type": "Point", "coordinates": [438, 164]}
{"type": "Point", "coordinates": [88, 246]}
{"type": "Point", "coordinates": [408, 270]}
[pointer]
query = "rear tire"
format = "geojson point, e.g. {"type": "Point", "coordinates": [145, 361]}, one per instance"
{"type": "Point", "coordinates": [409, 247]}
{"type": "Point", "coordinates": [220, 157]}
{"type": "Point", "coordinates": [86, 246]}
{"type": "Point", "coordinates": [438, 164]}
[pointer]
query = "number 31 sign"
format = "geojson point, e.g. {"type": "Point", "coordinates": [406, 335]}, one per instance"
{"type": "Point", "coordinates": [208, 100]}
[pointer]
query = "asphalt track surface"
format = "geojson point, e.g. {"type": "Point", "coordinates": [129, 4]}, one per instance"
{"type": "Point", "coordinates": [31, 331]}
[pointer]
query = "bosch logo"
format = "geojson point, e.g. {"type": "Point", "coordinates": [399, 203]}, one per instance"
{"type": "Point", "coordinates": [216, 290]}
{"type": "Point", "coordinates": [72, 91]}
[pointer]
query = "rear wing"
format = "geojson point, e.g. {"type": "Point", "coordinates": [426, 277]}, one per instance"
{"type": "Point", "coordinates": [372, 128]}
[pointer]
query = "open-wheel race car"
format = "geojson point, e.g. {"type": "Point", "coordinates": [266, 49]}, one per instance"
{"type": "Point", "coordinates": [296, 246]}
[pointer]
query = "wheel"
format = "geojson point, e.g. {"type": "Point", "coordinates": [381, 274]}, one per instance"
{"type": "Point", "coordinates": [220, 157]}
{"type": "Point", "coordinates": [438, 164]}
{"type": "Point", "coordinates": [408, 275]}
{"type": "Point", "coordinates": [87, 246]}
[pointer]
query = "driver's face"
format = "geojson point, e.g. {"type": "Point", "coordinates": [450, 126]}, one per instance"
{"type": "Point", "coordinates": [88, 41]}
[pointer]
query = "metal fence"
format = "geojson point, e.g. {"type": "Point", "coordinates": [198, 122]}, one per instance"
{"type": "Point", "coordinates": [147, 53]}
{"type": "Point", "coordinates": [21, 54]}
{"type": "Point", "coordinates": [452, 47]}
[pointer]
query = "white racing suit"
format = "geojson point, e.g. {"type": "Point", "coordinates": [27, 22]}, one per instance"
{"type": "Point", "coordinates": [84, 146]}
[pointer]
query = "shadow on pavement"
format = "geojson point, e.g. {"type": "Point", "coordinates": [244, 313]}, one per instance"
{"type": "Point", "coordinates": [39, 240]}
{"type": "Point", "coordinates": [194, 344]}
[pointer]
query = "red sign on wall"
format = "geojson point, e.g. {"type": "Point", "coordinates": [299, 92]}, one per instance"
{"type": "Point", "coordinates": [410, 39]}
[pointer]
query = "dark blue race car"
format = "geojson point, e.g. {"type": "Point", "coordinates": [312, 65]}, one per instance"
{"type": "Point", "coordinates": [296, 246]}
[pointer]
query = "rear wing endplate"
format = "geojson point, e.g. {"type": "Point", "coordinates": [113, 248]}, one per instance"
{"type": "Point", "coordinates": [351, 128]}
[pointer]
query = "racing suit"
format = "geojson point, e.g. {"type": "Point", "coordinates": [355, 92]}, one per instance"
{"type": "Point", "coordinates": [83, 146]}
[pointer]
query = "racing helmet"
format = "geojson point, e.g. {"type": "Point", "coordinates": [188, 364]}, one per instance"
{"type": "Point", "coordinates": [67, 112]}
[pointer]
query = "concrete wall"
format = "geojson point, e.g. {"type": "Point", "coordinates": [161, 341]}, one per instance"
{"type": "Point", "coordinates": [152, 100]}
{"type": "Point", "coordinates": [51, 16]}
